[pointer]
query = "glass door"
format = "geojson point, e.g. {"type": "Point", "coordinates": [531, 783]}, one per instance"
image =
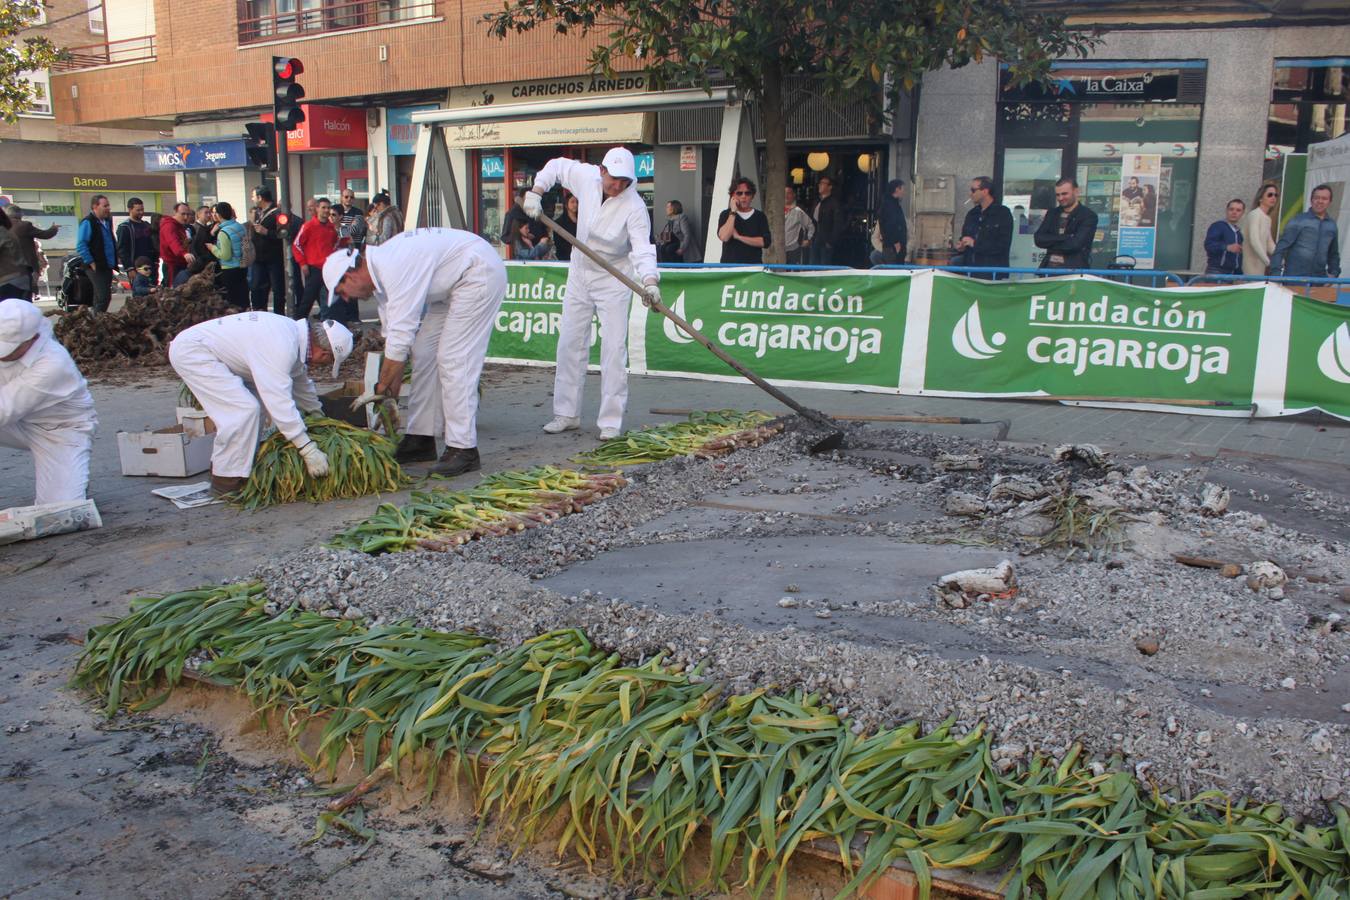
{"type": "Point", "coordinates": [1029, 176]}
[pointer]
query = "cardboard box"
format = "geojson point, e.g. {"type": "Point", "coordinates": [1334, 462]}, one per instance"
{"type": "Point", "coordinates": [194, 421]}
{"type": "Point", "coordinates": [169, 452]}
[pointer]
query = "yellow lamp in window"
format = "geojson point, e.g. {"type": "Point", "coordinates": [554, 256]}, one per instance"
{"type": "Point", "coordinates": [864, 162]}
{"type": "Point", "coordinates": [818, 161]}
{"type": "Point", "coordinates": [798, 175]}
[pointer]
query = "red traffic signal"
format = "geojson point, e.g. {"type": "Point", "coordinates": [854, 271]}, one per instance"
{"type": "Point", "coordinates": [283, 219]}
{"type": "Point", "coordinates": [286, 94]}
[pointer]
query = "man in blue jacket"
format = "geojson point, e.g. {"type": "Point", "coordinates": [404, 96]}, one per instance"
{"type": "Point", "coordinates": [98, 249]}
{"type": "Point", "coordinates": [1310, 244]}
{"type": "Point", "coordinates": [1223, 242]}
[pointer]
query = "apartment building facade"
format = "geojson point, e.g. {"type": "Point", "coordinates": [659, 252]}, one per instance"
{"type": "Point", "coordinates": [1209, 92]}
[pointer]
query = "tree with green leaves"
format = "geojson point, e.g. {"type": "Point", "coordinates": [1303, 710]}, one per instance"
{"type": "Point", "coordinates": [19, 56]}
{"type": "Point", "coordinates": [854, 51]}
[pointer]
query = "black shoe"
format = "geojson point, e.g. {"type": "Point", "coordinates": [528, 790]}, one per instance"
{"type": "Point", "coordinates": [456, 461]}
{"type": "Point", "coordinates": [415, 448]}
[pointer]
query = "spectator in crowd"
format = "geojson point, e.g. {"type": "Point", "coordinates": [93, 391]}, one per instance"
{"type": "Point", "coordinates": [562, 248]}
{"type": "Point", "coordinates": [1310, 244]}
{"type": "Point", "coordinates": [135, 237]}
{"type": "Point", "coordinates": [142, 277]}
{"type": "Point", "coordinates": [383, 221]}
{"type": "Point", "coordinates": [226, 244]}
{"type": "Point", "coordinates": [514, 216]}
{"type": "Point", "coordinates": [526, 247]}
{"type": "Point", "coordinates": [317, 239]}
{"type": "Point", "coordinates": [269, 262]}
{"type": "Point", "coordinates": [894, 228]}
{"type": "Point", "coordinates": [678, 238]}
{"type": "Point", "coordinates": [95, 244]}
{"type": "Point", "coordinates": [742, 229]}
{"type": "Point", "coordinates": [1067, 231]}
{"type": "Point", "coordinates": [829, 217]}
{"type": "Point", "coordinates": [200, 233]}
{"type": "Point", "coordinates": [1223, 242]}
{"type": "Point", "coordinates": [28, 235]}
{"type": "Point", "coordinates": [350, 220]}
{"type": "Point", "coordinates": [1257, 230]}
{"type": "Point", "coordinates": [174, 249]}
{"type": "Point", "coordinates": [1023, 222]}
{"type": "Point", "coordinates": [15, 278]}
{"type": "Point", "coordinates": [987, 233]}
{"type": "Point", "coordinates": [797, 228]}
{"type": "Point", "coordinates": [298, 277]}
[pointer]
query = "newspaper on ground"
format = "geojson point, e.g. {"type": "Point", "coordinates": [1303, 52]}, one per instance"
{"type": "Point", "coordinates": [25, 523]}
{"type": "Point", "coordinates": [188, 496]}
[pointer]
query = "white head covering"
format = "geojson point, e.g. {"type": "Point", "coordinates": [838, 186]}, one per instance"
{"type": "Point", "coordinates": [338, 263]}
{"type": "Point", "coordinates": [340, 339]}
{"type": "Point", "coordinates": [19, 321]}
{"type": "Point", "coordinates": [619, 163]}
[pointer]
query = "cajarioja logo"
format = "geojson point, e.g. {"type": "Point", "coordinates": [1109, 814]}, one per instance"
{"type": "Point", "coordinates": [1333, 357]}
{"type": "Point", "coordinates": [672, 331]}
{"type": "Point", "coordinates": [968, 336]}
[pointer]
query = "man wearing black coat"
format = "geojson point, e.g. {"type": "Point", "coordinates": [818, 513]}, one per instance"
{"type": "Point", "coordinates": [829, 216]}
{"type": "Point", "coordinates": [1066, 233]}
{"type": "Point", "coordinates": [894, 228]}
{"type": "Point", "coordinates": [986, 234]}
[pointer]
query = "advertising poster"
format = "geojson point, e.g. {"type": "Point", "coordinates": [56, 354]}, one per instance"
{"type": "Point", "coordinates": [1140, 190]}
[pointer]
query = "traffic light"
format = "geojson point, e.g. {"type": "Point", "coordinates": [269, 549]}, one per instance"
{"type": "Point", "coordinates": [284, 224]}
{"type": "Point", "coordinates": [261, 145]}
{"type": "Point", "coordinates": [286, 94]}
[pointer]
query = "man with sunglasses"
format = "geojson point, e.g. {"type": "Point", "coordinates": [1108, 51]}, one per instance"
{"type": "Point", "coordinates": [438, 291]}
{"type": "Point", "coordinates": [986, 233]}
{"type": "Point", "coordinates": [612, 220]}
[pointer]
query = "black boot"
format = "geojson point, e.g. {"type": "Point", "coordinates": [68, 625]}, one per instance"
{"type": "Point", "coordinates": [415, 448]}
{"type": "Point", "coordinates": [456, 461]}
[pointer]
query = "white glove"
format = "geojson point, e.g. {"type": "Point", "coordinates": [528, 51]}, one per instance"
{"type": "Point", "coordinates": [651, 294]}
{"type": "Point", "coordinates": [315, 462]}
{"type": "Point", "coordinates": [367, 397]}
{"type": "Point", "coordinates": [533, 205]}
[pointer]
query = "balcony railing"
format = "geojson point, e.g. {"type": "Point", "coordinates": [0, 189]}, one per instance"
{"type": "Point", "coordinates": [268, 20]}
{"type": "Point", "coordinates": [136, 49]}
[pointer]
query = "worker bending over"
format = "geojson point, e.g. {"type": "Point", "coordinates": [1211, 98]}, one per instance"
{"type": "Point", "coordinates": [612, 220]}
{"type": "Point", "coordinates": [45, 405]}
{"type": "Point", "coordinates": [438, 291]}
{"type": "Point", "coordinates": [271, 352]}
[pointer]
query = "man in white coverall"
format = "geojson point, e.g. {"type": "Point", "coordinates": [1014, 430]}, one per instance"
{"type": "Point", "coordinates": [438, 291]}
{"type": "Point", "coordinates": [45, 405]}
{"type": "Point", "coordinates": [271, 352]}
{"type": "Point", "coordinates": [612, 220]}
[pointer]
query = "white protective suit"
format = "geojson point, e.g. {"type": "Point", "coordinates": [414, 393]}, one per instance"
{"type": "Point", "coordinates": [45, 408]}
{"type": "Point", "coordinates": [619, 230]}
{"type": "Point", "coordinates": [438, 291]}
{"type": "Point", "coordinates": [216, 357]}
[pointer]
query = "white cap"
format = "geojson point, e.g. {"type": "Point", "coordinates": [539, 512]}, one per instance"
{"type": "Point", "coordinates": [338, 263]}
{"type": "Point", "coordinates": [19, 321]}
{"type": "Point", "coordinates": [619, 163]}
{"type": "Point", "coordinates": [340, 339]}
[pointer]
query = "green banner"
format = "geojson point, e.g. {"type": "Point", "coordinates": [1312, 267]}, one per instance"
{"type": "Point", "coordinates": [831, 328]}
{"type": "Point", "coordinates": [527, 326]}
{"type": "Point", "coordinates": [1319, 358]}
{"type": "Point", "coordinates": [1090, 337]}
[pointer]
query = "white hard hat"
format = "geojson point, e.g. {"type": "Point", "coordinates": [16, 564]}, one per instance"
{"type": "Point", "coordinates": [339, 263]}
{"type": "Point", "coordinates": [619, 163]}
{"type": "Point", "coordinates": [340, 339]}
{"type": "Point", "coordinates": [19, 321]}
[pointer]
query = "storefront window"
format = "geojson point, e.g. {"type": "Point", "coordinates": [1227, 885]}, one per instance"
{"type": "Point", "coordinates": [319, 174]}
{"type": "Point", "coordinates": [1308, 104]}
{"type": "Point", "coordinates": [201, 188]}
{"type": "Point", "coordinates": [44, 208]}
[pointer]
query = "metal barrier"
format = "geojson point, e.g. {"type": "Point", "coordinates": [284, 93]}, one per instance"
{"type": "Point", "coordinates": [1127, 276]}
{"type": "Point", "coordinates": [1340, 287]}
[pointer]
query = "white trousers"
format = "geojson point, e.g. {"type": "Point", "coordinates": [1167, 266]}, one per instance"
{"type": "Point", "coordinates": [592, 292]}
{"type": "Point", "coordinates": [447, 357]}
{"type": "Point", "coordinates": [60, 457]}
{"type": "Point", "coordinates": [230, 404]}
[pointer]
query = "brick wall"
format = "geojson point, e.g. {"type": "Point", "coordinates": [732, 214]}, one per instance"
{"type": "Point", "coordinates": [202, 68]}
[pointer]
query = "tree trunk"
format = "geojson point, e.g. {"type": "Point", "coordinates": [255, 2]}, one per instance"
{"type": "Point", "coordinates": [775, 156]}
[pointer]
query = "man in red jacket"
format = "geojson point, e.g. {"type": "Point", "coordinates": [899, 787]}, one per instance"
{"type": "Point", "coordinates": [313, 244]}
{"type": "Point", "coordinates": [173, 243]}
